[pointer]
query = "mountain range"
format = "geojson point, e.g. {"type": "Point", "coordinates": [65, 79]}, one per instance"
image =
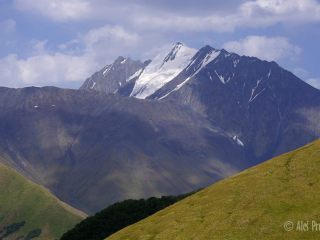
{"type": "Point", "coordinates": [165, 126]}
{"type": "Point", "coordinates": [257, 103]}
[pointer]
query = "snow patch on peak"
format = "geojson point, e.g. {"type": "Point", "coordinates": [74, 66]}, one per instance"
{"type": "Point", "coordinates": [235, 62]}
{"type": "Point", "coordinates": [212, 55]}
{"type": "Point", "coordinates": [238, 141]}
{"type": "Point", "coordinates": [107, 69]}
{"type": "Point", "coordinates": [221, 78]}
{"type": "Point", "coordinates": [172, 54]}
{"type": "Point", "coordinates": [163, 68]}
{"type": "Point", "coordinates": [254, 95]}
{"type": "Point", "coordinates": [136, 74]}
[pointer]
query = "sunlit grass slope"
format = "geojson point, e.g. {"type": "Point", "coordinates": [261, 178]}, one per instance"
{"type": "Point", "coordinates": [28, 210]}
{"type": "Point", "coordinates": [253, 204]}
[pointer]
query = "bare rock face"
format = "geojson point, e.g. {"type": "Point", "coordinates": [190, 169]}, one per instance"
{"type": "Point", "coordinates": [113, 76]}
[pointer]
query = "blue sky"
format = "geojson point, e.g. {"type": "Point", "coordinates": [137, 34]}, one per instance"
{"type": "Point", "coordinates": [62, 42]}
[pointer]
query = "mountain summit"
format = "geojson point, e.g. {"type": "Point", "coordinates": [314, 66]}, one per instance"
{"type": "Point", "coordinates": [161, 70]}
{"type": "Point", "coordinates": [113, 76]}
{"type": "Point", "coordinates": [142, 80]}
{"type": "Point", "coordinates": [258, 103]}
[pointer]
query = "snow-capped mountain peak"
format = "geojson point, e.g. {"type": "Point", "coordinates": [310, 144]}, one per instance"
{"type": "Point", "coordinates": [203, 57]}
{"type": "Point", "coordinates": [163, 68]}
{"type": "Point", "coordinates": [113, 76]}
{"type": "Point", "coordinates": [172, 54]}
{"type": "Point", "coordinates": [169, 71]}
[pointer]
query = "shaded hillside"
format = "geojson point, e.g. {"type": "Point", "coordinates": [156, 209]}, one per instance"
{"type": "Point", "coordinates": [118, 216]}
{"type": "Point", "coordinates": [28, 210]}
{"type": "Point", "coordinates": [93, 149]}
{"type": "Point", "coordinates": [254, 204]}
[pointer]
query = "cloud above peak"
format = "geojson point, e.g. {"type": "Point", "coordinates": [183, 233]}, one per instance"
{"type": "Point", "coordinates": [270, 12]}
{"type": "Point", "coordinates": [88, 34]}
{"type": "Point", "coordinates": [151, 15]}
{"type": "Point", "coordinates": [60, 11]}
{"type": "Point", "coordinates": [69, 66]}
{"type": "Point", "coordinates": [267, 48]}
{"type": "Point", "coordinates": [315, 82]}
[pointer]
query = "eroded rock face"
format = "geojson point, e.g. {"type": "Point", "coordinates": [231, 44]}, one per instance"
{"type": "Point", "coordinates": [113, 76]}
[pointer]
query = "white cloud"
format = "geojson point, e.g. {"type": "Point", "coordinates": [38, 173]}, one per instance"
{"type": "Point", "coordinates": [149, 16]}
{"type": "Point", "coordinates": [273, 11]}
{"type": "Point", "coordinates": [100, 47]}
{"type": "Point", "coordinates": [106, 43]}
{"type": "Point", "coordinates": [305, 76]}
{"type": "Point", "coordinates": [8, 72]}
{"type": "Point", "coordinates": [315, 82]}
{"type": "Point", "coordinates": [151, 25]}
{"type": "Point", "coordinates": [38, 46]}
{"type": "Point", "coordinates": [109, 42]}
{"type": "Point", "coordinates": [301, 72]}
{"type": "Point", "coordinates": [57, 10]}
{"type": "Point", "coordinates": [176, 23]}
{"type": "Point", "coordinates": [43, 70]}
{"type": "Point", "coordinates": [273, 48]}
{"type": "Point", "coordinates": [110, 32]}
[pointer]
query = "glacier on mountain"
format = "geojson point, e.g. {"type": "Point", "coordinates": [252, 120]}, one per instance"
{"type": "Point", "coordinates": [163, 68]}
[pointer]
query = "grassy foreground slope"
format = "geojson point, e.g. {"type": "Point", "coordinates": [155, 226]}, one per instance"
{"type": "Point", "coordinates": [28, 210]}
{"type": "Point", "coordinates": [253, 204]}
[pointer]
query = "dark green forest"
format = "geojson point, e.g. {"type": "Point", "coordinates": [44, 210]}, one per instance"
{"type": "Point", "coordinates": [118, 216]}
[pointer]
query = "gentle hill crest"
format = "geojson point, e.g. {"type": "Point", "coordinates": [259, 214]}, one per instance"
{"type": "Point", "coordinates": [254, 204]}
{"type": "Point", "coordinates": [27, 209]}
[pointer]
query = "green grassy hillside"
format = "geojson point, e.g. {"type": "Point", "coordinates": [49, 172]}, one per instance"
{"type": "Point", "coordinates": [28, 210]}
{"type": "Point", "coordinates": [254, 204]}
